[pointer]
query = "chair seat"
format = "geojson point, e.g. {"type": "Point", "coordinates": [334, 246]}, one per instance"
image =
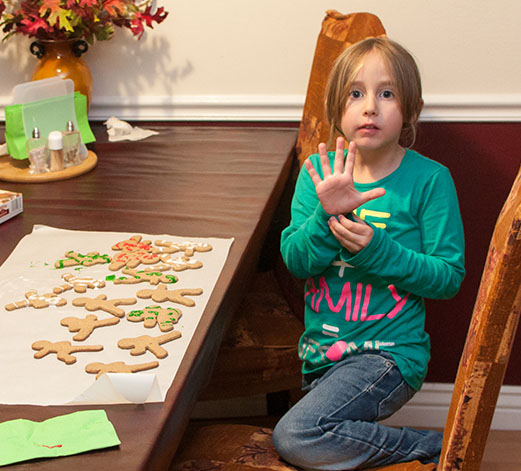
{"type": "Point", "coordinates": [411, 466]}
{"type": "Point", "coordinates": [230, 447]}
{"type": "Point", "coordinates": [259, 352]}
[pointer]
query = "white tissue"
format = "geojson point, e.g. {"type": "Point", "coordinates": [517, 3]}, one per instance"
{"type": "Point", "coordinates": [118, 388]}
{"type": "Point", "coordinates": [3, 149]}
{"type": "Point", "coordinates": [119, 130]}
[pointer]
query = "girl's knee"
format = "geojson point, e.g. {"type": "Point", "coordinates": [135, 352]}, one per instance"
{"type": "Point", "coordinates": [316, 448]}
{"type": "Point", "coordinates": [283, 440]}
{"type": "Point", "coordinates": [288, 442]}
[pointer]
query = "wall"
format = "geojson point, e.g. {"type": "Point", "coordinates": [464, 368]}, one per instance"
{"type": "Point", "coordinates": [484, 159]}
{"type": "Point", "coordinates": [251, 60]}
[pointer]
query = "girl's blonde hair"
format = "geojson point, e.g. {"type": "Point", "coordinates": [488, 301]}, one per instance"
{"type": "Point", "coordinates": [404, 73]}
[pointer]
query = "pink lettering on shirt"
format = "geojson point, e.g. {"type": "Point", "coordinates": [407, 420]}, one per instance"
{"type": "Point", "coordinates": [357, 301]}
{"type": "Point", "coordinates": [313, 291]}
{"type": "Point", "coordinates": [400, 302]}
{"type": "Point", "coordinates": [352, 312]}
{"type": "Point", "coordinates": [345, 297]}
{"type": "Point", "coordinates": [367, 297]}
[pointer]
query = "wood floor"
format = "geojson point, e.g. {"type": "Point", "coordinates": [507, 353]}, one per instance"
{"type": "Point", "coordinates": [502, 452]}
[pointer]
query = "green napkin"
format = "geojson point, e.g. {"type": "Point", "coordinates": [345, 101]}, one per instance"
{"type": "Point", "coordinates": [69, 434]}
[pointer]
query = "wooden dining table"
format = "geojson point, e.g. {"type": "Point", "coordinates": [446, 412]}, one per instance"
{"type": "Point", "coordinates": [198, 181]}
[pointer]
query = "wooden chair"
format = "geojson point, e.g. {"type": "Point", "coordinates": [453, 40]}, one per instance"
{"type": "Point", "coordinates": [259, 352]}
{"type": "Point", "coordinates": [479, 378]}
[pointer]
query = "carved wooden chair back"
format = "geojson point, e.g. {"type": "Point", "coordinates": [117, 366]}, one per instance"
{"type": "Point", "coordinates": [489, 342]}
{"type": "Point", "coordinates": [338, 32]}
{"type": "Point", "coordinates": [487, 349]}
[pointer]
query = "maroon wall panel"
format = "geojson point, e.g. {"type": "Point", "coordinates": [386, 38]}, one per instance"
{"type": "Point", "coordinates": [484, 159]}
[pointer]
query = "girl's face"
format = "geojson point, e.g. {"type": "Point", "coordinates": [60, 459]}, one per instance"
{"type": "Point", "coordinates": [372, 116]}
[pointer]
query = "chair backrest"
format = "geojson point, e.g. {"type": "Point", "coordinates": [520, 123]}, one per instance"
{"type": "Point", "coordinates": [338, 33]}
{"type": "Point", "coordinates": [488, 345]}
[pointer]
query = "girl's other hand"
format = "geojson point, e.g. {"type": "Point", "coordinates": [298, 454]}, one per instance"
{"type": "Point", "coordinates": [352, 235]}
{"type": "Point", "coordinates": [336, 191]}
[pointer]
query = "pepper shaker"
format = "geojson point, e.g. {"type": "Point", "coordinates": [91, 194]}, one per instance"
{"type": "Point", "coordinates": [71, 146]}
{"type": "Point", "coordinates": [55, 145]}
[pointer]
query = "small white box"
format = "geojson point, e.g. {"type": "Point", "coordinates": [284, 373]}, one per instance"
{"type": "Point", "coordinates": [10, 205]}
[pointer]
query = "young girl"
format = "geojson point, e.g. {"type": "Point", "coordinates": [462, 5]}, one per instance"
{"type": "Point", "coordinates": [374, 232]}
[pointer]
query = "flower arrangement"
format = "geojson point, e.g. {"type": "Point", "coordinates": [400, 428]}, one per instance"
{"type": "Point", "coordinates": [87, 20]}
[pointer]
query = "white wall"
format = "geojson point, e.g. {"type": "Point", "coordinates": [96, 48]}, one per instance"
{"type": "Point", "coordinates": [428, 408]}
{"type": "Point", "coordinates": [236, 59]}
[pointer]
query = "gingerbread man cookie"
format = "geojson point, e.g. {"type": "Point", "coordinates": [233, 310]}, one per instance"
{"type": "Point", "coordinates": [189, 248]}
{"type": "Point", "coordinates": [132, 260]}
{"type": "Point", "coordinates": [102, 303]}
{"type": "Point", "coordinates": [159, 267]}
{"type": "Point", "coordinates": [78, 284]}
{"type": "Point", "coordinates": [139, 345]}
{"type": "Point", "coordinates": [63, 350]}
{"type": "Point", "coordinates": [162, 293]}
{"type": "Point", "coordinates": [152, 315]}
{"type": "Point", "coordinates": [152, 277]}
{"type": "Point", "coordinates": [37, 301]}
{"type": "Point", "coordinates": [75, 258]}
{"type": "Point", "coordinates": [134, 244]}
{"type": "Point", "coordinates": [86, 326]}
{"type": "Point", "coordinates": [133, 253]}
{"type": "Point", "coordinates": [181, 263]}
{"type": "Point", "coordinates": [99, 368]}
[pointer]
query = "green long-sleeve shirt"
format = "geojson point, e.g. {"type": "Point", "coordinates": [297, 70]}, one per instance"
{"type": "Point", "coordinates": [373, 300]}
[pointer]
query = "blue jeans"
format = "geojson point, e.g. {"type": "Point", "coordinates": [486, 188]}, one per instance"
{"type": "Point", "coordinates": [334, 426]}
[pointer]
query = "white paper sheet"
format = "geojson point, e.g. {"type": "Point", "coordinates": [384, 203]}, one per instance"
{"type": "Point", "coordinates": [49, 381]}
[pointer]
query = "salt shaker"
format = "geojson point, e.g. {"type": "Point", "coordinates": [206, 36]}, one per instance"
{"type": "Point", "coordinates": [38, 153]}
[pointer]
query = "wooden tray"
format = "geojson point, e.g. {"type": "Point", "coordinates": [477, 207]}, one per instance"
{"type": "Point", "coordinates": [12, 170]}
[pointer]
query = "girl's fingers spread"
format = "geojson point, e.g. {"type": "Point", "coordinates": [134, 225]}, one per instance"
{"type": "Point", "coordinates": [324, 159]}
{"type": "Point", "coordinates": [312, 172]}
{"type": "Point", "coordinates": [350, 160]}
{"type": "Point", "coordinates": [322, 149]}
{"type": "Point", "coordinates": [339, 155]}
{"type": "Point", "coordinates": [373, 194]}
